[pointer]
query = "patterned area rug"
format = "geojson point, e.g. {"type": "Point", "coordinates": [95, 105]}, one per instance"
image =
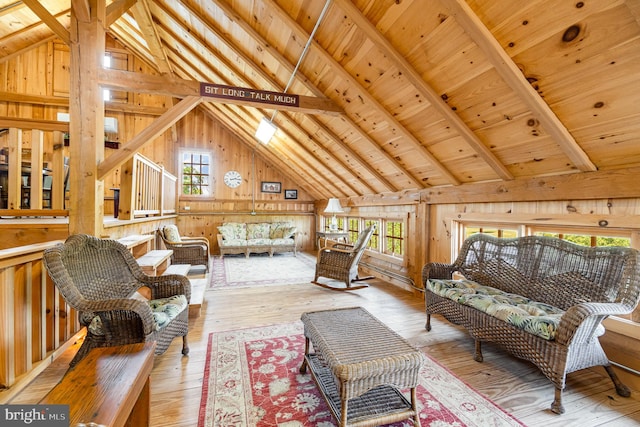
{"type": "Point", "coordinates": [252, 378]}
{"type": "Point", "coordinates": [261, 270]}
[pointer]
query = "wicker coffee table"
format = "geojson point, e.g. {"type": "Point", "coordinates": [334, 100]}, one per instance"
{"type": "Point", "coordinates": [360, 365]}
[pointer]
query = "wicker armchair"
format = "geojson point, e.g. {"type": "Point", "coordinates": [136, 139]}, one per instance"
{"type": "Point", "coordinates": [99, 278]}
{"type": "Point", "coordinates": [186, 250]}
{"type": "Point", "coordinates": [340, 262]}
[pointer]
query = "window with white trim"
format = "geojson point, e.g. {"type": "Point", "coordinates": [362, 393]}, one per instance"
{"type": "Point", "coordinates": [196, 173]}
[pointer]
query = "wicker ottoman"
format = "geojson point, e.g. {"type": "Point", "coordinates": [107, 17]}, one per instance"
{"type": "Point", "coordinates": [360, 365]}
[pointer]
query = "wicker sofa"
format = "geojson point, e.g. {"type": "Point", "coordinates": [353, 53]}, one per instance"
{"type": "Point", "coordinates": [540, 298]}
{"type": "Point", "coordinates": [260, 237]}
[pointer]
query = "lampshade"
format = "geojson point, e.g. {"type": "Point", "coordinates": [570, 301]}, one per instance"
{"type": "Point", "coordinates": [266, 130]}
{"type": "Point", "coordinates": [333, 206]}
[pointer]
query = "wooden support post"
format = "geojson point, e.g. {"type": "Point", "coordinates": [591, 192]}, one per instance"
{"type": "Point", "coordinates": [86, 124]}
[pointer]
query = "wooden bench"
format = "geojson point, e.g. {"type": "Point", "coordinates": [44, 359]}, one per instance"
{"type": "Point", "coordinates": [156, 261]}
{"type": "Point", "coordinates": [138, 244]}
{"type": "Point", "coordinates": [109, 387]}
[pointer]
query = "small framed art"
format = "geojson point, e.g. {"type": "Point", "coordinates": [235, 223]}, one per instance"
{"type": "Point", "coordinates": [271, 187]}
{"type": "Point", "coordinates": [290, 194]}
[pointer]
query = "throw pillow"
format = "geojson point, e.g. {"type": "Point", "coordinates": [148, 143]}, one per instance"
{"type": "Point", "coordinates": [171, 233]}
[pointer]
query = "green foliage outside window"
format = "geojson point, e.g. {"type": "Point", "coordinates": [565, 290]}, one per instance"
{"type": "Point", "coordinates": [586, 240]}
{"type": "Point", "coordinates": [195, 174]}
{"type": "Point", "coordinates": [393, 238]}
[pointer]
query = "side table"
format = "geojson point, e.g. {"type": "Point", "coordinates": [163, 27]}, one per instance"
{"type": "Point", "coordinates": [334, 235]}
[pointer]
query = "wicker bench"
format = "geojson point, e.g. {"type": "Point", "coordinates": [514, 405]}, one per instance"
{"type": "Point", "coordinates": [540, 298]}
{"type": "Point", "coordinates": [360, 365]}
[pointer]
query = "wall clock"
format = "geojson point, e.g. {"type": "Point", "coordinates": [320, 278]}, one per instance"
{"type": "Point", "coordinates": [233, 179]}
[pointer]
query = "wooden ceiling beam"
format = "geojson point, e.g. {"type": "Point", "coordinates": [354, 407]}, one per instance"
{"type": "Point", "coordinates": [427, 92]}
{"type": "Point", "coordinates": [147, 135]}
{"type": "Point", "coordinates": [58, 101]}
{"type": "Point", "coordinates": [233, 71]}
{"type": "Point", "coordinates": [250, 139]}
{"type": "Point", "coordinates": [49, 20]}
{"type": "Point", "coordinates": [143, 17]}
{"type": "Point", "coordinates": [268, 48]}
{"type": "Point", "coordinates": [118, 8]}
{"type": "Point", "coordinates": [512, 75]}
{"type": "Point", "coordinates": [234, 124]}
{"type": "Point", "coordinates": [295, 27]}
{"type": "Point", "coordinates": [21, 123]}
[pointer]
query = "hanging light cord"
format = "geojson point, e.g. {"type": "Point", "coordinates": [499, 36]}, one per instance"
{"type": "Point", "coordinates": [304, 51]}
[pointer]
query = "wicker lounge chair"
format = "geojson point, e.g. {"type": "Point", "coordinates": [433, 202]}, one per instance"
{"type": "Point", "coordinates": [99, 278]}
{"type": "Point", "coordinates": [339, 261]}
{"type": "Point", "coordinates": [186, 250]}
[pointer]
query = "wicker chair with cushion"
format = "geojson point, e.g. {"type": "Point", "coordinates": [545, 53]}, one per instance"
{"type": "Point", "coordinates": [186, 250]}
{"type": "Point", "coordinates": [99, 278]}
{"type": "Point", "coordinates": [339, 261]}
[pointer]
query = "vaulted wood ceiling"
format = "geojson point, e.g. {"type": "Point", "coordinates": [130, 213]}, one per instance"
{"type": "Point", "coordinates": [429, 93]}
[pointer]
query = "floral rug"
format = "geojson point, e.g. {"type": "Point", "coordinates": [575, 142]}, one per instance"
{"type": "Point", "coordinates": [261, 270]}
{"type": "Point", "coordinates": [252, 378]}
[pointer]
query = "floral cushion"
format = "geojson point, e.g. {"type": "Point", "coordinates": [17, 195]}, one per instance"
{"type": "Point", "coordinates": [534, 317]}
{"type": "Point", "coordinates": [164, 311]}
{"type": "Point", "coordinates": [282, 242]}
{"type": "Point", "coordinates": [281, 230]}
{"type": "Point", "coordinates": [171, 233]}
{"type": "Point", "coordinates": [234, 242]}
{"type": "Point", "coordinates": [233, 230]}
{"type": "Point", "coordinates": [258, 231]}
{"type": "Point", "coordinates": [258, 242]}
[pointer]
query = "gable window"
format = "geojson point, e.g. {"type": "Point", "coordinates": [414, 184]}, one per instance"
{"type": "Point", "coordinates": [196, 172]}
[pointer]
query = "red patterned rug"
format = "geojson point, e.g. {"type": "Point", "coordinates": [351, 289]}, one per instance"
{"type": "Point", "coordinates": [252, 378]}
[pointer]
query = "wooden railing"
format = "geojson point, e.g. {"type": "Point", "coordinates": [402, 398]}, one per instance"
{"type": "Point", "coordinates": [150, 191]}
{"type": "Point", "coordinates": [35, 322]}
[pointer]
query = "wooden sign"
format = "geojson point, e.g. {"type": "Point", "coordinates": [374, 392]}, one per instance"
{"type": "Point", "coordinates": [246, 94]}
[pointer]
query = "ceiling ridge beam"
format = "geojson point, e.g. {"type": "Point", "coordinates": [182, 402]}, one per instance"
{"type": "Point", "coordinates": [370, 98]}
{"type": "Point", "coordinates": [248, 125]}
{"type": "Point", "coordinates": [425, 90]}
{"type": "Point", "coordinates": [275, 85]}
{"type": "Point", "coordinates": [49, 20]}
{"type": "Point", "coordinates": [512, 75]}
{"type": "Point", "coordinates": [283, 61]}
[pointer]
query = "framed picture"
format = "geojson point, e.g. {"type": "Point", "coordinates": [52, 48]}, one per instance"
{"type": "Point", "coordinates": [271, 187]}
{"type": "Point", "coordinates": [290, 194]}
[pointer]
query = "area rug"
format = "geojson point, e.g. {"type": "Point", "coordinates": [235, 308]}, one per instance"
{"type": "Point", "coordinates": [239, 271]}
{"type": "Point", "coordinates": [252, 378]}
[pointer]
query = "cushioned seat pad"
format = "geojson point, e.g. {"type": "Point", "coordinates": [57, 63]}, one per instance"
{"type": "Point", "coordinates": [164, 310]}
{"type": "Point", "coordinates": [534, 317]}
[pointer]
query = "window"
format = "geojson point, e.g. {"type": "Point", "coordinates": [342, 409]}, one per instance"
{"type": "Point", "coordinates": [196, 169]}
{"type": "Point", "coordinates": [374, 243]}
{"type": "Point", "coordinates": [393, 238]}
{"type": "Point", "coordinates": [493, 231]}
{"type": "Point", "coordinates": [353, 229]}
{"type": "Point", "coordinates": [588, 239]}
{"type": "Point", "coordinates": [327, 222]}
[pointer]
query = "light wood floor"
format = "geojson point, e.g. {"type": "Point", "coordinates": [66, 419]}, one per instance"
{"type": "Point", "coordinates": [516, 386]}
